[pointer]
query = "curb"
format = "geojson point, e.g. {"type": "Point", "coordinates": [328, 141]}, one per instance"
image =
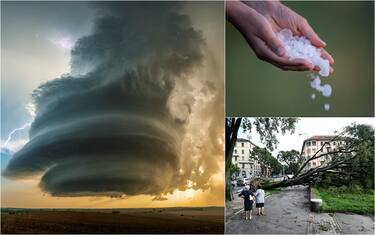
{"type": "Point", "coordinates": [314, 201]}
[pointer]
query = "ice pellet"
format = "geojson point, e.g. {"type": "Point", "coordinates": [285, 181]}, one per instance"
{"type": "Point", "coordinates": [327, 90]}
{"type": "Point", "coordinates": [301, 48]}
{"type": "Point", "coordinates": [327, 107]}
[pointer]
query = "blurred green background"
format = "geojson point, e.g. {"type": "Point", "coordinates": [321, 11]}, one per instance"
{"type": "Point", "coordinates": [257, 88]}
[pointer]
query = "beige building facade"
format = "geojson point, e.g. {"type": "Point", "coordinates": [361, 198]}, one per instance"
{"type": "Point", "coordinates": [313, 144]}
{"type": "Point", "coordinates": [249, 167]}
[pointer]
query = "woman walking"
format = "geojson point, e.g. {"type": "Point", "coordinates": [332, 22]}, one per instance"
{"type": "Point", "coordinates": [259, 194]}
{"type": "Point", "coordinates": [248, 201]}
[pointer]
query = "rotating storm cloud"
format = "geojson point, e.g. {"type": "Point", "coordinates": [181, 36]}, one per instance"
{"type": "Point", "coordinates": [121, 122]}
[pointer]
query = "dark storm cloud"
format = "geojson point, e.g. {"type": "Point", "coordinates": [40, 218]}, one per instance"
{"type": "Point", "coordinates": [5, 155]}
{"type": "Point", "coordinates": [107, 128]}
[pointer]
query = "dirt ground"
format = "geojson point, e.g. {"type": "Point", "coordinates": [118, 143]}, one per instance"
{"type": "Point", "coordinates": [123, 221]}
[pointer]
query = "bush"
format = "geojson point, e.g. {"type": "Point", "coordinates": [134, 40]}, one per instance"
{"type": "Point", "coordinates": [355, 188]}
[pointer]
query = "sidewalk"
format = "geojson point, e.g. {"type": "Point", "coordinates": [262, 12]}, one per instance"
{"type": "Point", "coordinates": [288, 212]}
{"type": "Point", "coordinates": [236, 206]}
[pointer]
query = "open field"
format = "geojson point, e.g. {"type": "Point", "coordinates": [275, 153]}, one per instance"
{"type": "Point", "coordinates": [158, 220]}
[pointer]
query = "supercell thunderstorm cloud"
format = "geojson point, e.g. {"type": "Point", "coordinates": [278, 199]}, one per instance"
{"type": "Point", "coordinates": [122, 121]}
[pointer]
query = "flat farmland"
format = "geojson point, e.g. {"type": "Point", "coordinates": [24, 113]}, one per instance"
{"type": "Point", "coordinates": [157, 220]}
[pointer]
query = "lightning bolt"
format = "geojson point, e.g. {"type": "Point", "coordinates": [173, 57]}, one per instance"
{"type": "Point", "coordinates": [10, 135]}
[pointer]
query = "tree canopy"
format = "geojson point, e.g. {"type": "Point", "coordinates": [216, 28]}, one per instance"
{"type": "Point", "coordinates": [292, 158]}
{"type": "Point", "coordinates": [266, 160]}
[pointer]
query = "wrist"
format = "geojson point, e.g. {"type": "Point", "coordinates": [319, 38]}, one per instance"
{"type": "Point", "coordinates": [264, 7]}
{"type": "Point", "coordinates": [232, 9]}
{"type": "Point", "coordinates": [236, 11]}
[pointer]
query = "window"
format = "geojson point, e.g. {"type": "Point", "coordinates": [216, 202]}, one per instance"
{"type": "Point", "coordinates": [243, 158]}
{"type": "Point", "coordinates": [334, 142]}
{"type": "Point", "coordinates": [235, 151]}
{"type": "Point", "coordinates": [308, 151]}
{"type": "Point", "coordinates": [242, 144]}
{"type": "Point", "coordinates": [313, 143]}
{"type": "Point", "coordinates": [321, 143]}
{"type": "Point", "coordinates": [314, 163]}
{"type": "Point", "coordinates": [243, 165]}
{"type": "Point", "coordinates": [243, 151]}
{"type": "Point", "coordinates": [308, 144]}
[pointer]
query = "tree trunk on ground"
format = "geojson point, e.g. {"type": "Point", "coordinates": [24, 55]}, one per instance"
{"type": "Point", "coordinates": [308, 177]}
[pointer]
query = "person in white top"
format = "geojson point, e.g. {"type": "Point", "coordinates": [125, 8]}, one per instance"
{"type": "Point", "coordinates": [259, 194]}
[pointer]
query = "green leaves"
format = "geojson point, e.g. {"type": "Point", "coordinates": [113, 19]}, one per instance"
{"type": "Point", "coordinates": [292, 158]}
{"type": "Point", "coordinates": [266, 159]}
{"type": "Point", "coordinates": [268, 127]}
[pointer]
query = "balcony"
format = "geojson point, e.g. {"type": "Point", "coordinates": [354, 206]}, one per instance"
{"type": "Point", "coordinates": [246, 161]}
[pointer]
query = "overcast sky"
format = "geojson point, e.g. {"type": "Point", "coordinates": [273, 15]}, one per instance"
{"type": "Point", "coordinates": [305, 128]}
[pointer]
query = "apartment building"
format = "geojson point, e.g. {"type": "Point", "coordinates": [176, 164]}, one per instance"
{"type": "Point", "coordinates": [249, 167]}
{"type": "Point", "coordinates": [313, 144]}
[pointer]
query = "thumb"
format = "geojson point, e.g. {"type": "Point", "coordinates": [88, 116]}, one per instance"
{"type": "Point", "coordinates": [274, 43]}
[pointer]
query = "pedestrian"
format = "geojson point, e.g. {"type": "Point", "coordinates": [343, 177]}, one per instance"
{"type": "Point", "coordinates": [248, 197]}
{"type": "Point", "coordinates": [259, 195]}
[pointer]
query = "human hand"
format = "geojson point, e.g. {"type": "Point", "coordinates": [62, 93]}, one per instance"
{"type": "Point", "coordinates": [259, 20]}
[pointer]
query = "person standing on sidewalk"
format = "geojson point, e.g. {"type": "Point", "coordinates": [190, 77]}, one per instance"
{"type": "Point", "coordinates": [259, 194]}
{"type": "Point", "coordinates": [248, 201]}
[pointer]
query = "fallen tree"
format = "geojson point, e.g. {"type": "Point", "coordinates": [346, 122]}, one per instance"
{"type": "Point", "coordinates": [265, 127]}
{"type": "Point", "coordinates": [359, 143]}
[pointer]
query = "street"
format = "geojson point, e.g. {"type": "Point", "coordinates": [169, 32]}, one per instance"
{"type": "Point", "coordinates": [287, 212]}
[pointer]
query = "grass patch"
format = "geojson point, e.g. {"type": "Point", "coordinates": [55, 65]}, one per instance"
{"type": "Point", "coordinates": [354, 202]}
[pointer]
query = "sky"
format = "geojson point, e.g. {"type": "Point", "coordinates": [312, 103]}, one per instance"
{"type": "Point", "coordinates": [116, 112]}
{"type": "Point", "coordinates": [306, 128]}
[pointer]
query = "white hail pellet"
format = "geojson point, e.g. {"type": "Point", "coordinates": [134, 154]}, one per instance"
{"type": "Point", "coordinates": [301, 48]}
{"type": "Point", "coordinates": [327, 107]}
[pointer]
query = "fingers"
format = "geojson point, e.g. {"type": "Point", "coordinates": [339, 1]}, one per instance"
{"type": "Point", "coordinates": [331, 70]}
{"type": "Point", "coordinates": [310, 34]}
{"type": "Point", "coordinates": [327, 56]}
{"type": "Point", "coordinates": [269, 36]}
{"type": "Point", "coordinates": [265, 53]}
